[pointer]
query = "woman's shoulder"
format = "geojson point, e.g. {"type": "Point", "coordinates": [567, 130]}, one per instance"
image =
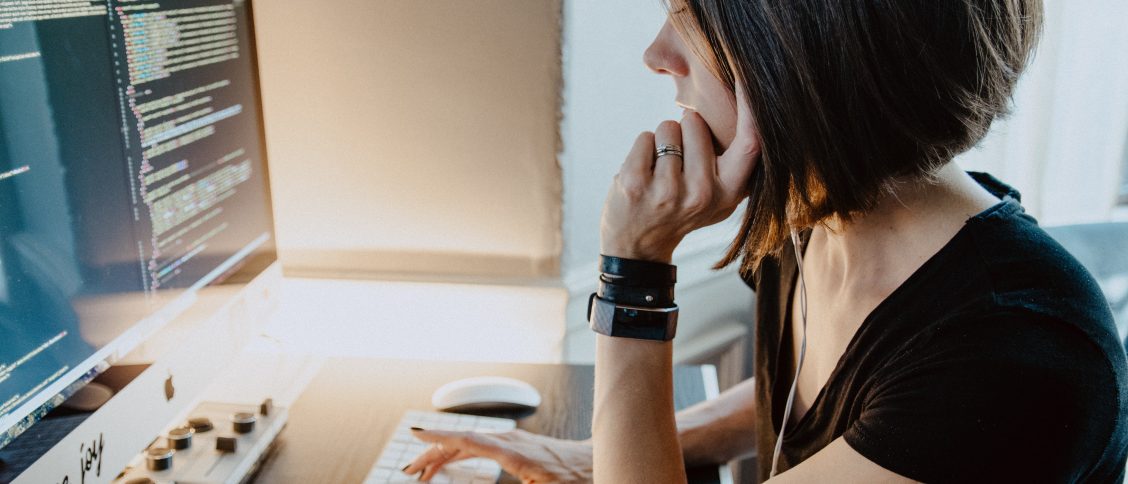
{"type": "Point", "coordinates": [1042, 315]}
{"type": "Point", "coordinates": [1011, 383]}
{"type": "Point", "coordinates": [1030, 274]}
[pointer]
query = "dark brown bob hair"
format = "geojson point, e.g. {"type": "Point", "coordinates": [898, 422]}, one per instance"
{"type": "Point", "coordinates": [852, 97]}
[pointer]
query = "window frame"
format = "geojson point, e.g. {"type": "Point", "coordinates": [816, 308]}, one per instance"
{"type": "Point", "coordinates": [1122, 191]}
{"type": "Point", "coordinates": [1122, 195]}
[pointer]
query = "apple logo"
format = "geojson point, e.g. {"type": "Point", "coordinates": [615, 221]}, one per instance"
{"type": "Point", "coordinates": [170, 391]}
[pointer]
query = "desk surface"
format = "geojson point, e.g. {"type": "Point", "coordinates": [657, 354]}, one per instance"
{"type": "Point", "coordinates": [339, 425]}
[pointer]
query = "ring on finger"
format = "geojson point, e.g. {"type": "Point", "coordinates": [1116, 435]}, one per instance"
{"type": "Point", "coordinates": [668, 149]}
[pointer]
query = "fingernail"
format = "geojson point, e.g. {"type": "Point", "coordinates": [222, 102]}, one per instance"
{"type": "Point", "coordinates": [405, 468]}
{"type": "Point", "coordinates": [417, 429]}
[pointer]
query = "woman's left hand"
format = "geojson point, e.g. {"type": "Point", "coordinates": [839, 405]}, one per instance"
{"type": "Point", "coordinates": [653, 203]}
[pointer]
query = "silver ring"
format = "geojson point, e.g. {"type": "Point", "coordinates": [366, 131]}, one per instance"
{"type": "Point", "coordinates": [668, 149]}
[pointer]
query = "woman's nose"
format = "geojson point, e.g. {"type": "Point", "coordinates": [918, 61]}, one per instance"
{"type": "Point", "coordinates": [664, 56]}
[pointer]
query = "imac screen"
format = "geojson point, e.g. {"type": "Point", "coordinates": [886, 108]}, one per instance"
{"type": "Point", "coordinates": [132, 172]}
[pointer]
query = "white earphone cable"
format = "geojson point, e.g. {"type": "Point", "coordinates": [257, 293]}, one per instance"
{"type": "Point", "coordinates": [802, 352]}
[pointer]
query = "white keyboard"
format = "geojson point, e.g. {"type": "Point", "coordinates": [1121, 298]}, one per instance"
{"type": "Point", "coordinates": [402, 448]}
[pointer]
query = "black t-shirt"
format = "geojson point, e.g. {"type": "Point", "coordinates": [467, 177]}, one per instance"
{"type": "Point", "coordinates": [996, 361]}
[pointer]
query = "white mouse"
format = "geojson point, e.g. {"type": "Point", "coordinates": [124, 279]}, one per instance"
{"type": "Point", "coordinates": [486, 393]}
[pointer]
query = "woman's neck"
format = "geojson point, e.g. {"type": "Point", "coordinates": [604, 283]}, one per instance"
{"type": "Point", "coordinates": [877, 251]}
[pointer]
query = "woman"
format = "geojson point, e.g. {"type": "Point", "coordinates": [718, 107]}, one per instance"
{"type": "Point", "coordinates": [913, 324]}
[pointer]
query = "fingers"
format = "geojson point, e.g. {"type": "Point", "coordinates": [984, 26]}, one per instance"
{"type": "Point", "coordinates": [701, 161]}
{"type": "Point", "coordinates": [647, 213]}
{"type": "Point", "coordinates": [640, 162]}
{"type": "Point", "coordinates": [460, 441]}
{"type": "Point", "coordinates": [433, 456]}
{"type": "Point", "coordinates": [451, 446]}
{"type": "Point", "coordinates": [433, 468]}
{"type": "Point", "coordinates": [668, 167]}
{"type": "Point", "coordinates": [432, 461]}
{"type": "Point", "coordinates": [736, 164]}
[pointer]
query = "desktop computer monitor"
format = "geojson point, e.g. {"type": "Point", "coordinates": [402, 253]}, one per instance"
{"type": "Point", "coordinates": [133, 179]}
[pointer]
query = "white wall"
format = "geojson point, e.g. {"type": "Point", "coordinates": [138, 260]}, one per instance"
{"type": "Point", "coordinates": [609, 98]}
{"type": "Point", "coordinates": [1064, 145]}
{"type": "Point", "coordinates": [413, 136]}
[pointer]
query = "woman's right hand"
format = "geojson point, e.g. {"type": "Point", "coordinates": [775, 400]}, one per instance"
{"type": "Point", "coordinates": [655, 201]}
{"type": "Point", "coordinates": [530, 457]}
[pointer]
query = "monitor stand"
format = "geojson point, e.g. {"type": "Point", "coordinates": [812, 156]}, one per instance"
{"type": "Point", "coordinates": [89, 398]}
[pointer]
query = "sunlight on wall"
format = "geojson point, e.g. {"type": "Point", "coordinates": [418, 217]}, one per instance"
{"type": "Point", "coordinates": [437, 322]}
{"type": "Point", "coordinates": [420, 128]}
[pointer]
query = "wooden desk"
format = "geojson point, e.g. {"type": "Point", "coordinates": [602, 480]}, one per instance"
{"type": "Point", "coordinates": [340, 423]}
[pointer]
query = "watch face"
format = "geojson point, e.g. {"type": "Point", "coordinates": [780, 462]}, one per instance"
{"type": "Point", "coordinates": [629, 322]}
{"type": "Point", "coordinates": [641, 324]}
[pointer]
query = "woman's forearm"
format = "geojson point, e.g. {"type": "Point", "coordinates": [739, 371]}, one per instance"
{"type": "Point", "coordinates": [634, 433]}
{"type": "Point", "coordinates": [721, 429]}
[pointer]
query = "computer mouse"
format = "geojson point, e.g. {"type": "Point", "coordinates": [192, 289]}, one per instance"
{"type": "Point", "coordinates": [486, 393]}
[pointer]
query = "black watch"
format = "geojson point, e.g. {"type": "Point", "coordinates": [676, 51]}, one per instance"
{"type": "Point", "coordinates": [610, 319]}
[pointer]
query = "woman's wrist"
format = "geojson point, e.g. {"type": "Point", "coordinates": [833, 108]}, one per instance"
{"type": "Point", "coordinates": [638, 250]}
{"type": "Point", "coordinates": [657, 258]}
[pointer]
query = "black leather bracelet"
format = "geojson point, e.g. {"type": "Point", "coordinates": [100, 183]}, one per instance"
{"type": "Point", "coordinates": [647, 297]}
{"type": "Point", "coordinates": [631, 272]}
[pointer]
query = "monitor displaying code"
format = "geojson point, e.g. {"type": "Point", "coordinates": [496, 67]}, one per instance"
{"type": "Point", "coordinates": [132, 172]}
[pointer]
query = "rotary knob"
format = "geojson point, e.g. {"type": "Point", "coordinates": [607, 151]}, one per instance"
{"type": "Point", "coordinates": [180, 438]}
{"type": "Point", "coordinates": [159, 458]}
{"type": "Point", "coordinates": [243, 422]}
